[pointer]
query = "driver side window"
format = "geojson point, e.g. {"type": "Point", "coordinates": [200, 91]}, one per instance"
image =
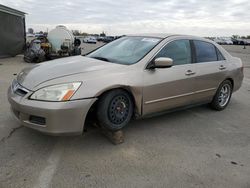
{"type": "Point", "coordinates": [179, 51]}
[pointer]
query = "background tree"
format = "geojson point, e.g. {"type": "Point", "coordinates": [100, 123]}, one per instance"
{"type": "Point", "coordinates": [235, 36]}
{"type": "Point", "coordinates": [103, 34]}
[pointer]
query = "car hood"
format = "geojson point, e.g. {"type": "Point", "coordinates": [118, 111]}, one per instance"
{"type": "Point", "coordinates": [35, 75]}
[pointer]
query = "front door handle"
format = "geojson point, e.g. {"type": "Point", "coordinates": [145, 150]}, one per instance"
{"type": "Point", "coordinates": [222, 67]}
{"type": "Point", "coordinates": [190, 72]}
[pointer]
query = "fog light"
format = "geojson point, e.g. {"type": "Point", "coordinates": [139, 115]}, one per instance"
{"type": "Point", "coordinates": [37, 120]}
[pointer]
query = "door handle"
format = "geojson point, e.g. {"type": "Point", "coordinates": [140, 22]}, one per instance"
{"type": "Point", "coordinates": [222, 67]}
{"type": "Point", "coordinates": [190, 72]}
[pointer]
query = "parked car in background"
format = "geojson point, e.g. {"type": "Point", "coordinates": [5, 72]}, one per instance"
{"type": "Point", "coordinates": [108, 39]}
{"type": "Point", "coordinates": [133, 76]}
{"type": "Point", "coordinates": [240, 41]}
{"type": "Point", "coordinates": [235, 41]}
{"type": "Point", "coordinates": [223, 40]}
{"type": "Point", "coordinates": [90, 40]}
{"type": "Point", "coordinates": [228, 41]}
{"type": "Point", "coordinates": [117, 37]}
{"type": "Point", "coordinates": [100, 39]}
{"type": "Point", "coordinates": [247, 41]}
{"type": "Point", "coordinates": [219, 41]}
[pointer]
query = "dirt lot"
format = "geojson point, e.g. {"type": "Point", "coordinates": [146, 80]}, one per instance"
{"type": "Point", "coordinates": [196, 147]}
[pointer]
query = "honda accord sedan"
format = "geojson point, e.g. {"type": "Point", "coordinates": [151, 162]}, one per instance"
{"type": "Point", "coordinates": [134, 76]}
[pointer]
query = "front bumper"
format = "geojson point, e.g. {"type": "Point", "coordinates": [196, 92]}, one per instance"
{"type": "Point", "coordinates": [54, 118]}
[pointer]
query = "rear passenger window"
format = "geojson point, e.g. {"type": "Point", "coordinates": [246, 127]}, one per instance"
{"type": "Point", "coordinates": [205, 52]}
{"type": "Point", "coordinates": [178, 50]}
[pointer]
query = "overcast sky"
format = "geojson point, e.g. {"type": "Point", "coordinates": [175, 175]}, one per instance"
{"type": "Point", "coordinates": [115, 17]}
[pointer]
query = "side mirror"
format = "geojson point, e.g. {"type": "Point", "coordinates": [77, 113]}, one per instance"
{"type": "Point", "coordinates": [161, 62]}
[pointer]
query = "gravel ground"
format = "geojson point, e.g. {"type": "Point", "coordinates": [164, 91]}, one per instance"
{"type": "Point", "coordinates": [196, 147]}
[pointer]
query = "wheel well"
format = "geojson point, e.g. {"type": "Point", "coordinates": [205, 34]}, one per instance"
{"type": "Point", "coordinates": [232, 81]}
{"type": "Point", "coordinates": [121, 88]}
{"type": "Point", "coordinates": [91, 115]}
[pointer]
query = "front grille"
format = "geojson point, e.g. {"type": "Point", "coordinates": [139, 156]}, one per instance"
{"type": "Point", "coordinates": [21, 92]}
{"type": "Point", "coordinates": [18, 89]}
{"type": "Point", "coordinates": [37, 120]}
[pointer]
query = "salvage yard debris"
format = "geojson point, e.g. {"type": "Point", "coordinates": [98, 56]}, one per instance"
{"type": "Point", "coordinates": [59, 43]}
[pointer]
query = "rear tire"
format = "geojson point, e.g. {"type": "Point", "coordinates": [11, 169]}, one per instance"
{"type": "Point", "coordinates": [115, 109]}
{"type": "Point", "coordinates": [222, 96]}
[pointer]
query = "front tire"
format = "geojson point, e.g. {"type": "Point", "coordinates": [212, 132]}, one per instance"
{"type": "Point", "coordinates": [115, 109]}
{"type": "Point", "coordinates": [222, 96]}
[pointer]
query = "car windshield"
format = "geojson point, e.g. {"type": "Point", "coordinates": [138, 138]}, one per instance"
{"type": "Point", "coordinates": [126, 50]}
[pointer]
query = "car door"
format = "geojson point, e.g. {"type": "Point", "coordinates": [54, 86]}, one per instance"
{"type": "Point", "coordinates": [166, 88]}
{"type": "Point", "coordinates": [211, 70]}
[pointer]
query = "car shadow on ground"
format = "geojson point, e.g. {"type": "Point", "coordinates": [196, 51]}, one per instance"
{"type": "Point", "coordinates": [186, 122]}
{"type": "Point", "coordinates": [149, 127]}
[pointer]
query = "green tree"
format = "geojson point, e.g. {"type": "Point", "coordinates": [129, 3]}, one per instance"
{"type": "Point", "coordinates": [75, 32]}
{"type": "Point", "coordinates": [235, 36]}
{"type": "Point", "coordinates": [103, 34]}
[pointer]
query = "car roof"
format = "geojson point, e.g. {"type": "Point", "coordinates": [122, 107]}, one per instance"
{"type": "Point", "coordinates": [156, 35]}
{"type": "Point", "coordinates": [166, 35]}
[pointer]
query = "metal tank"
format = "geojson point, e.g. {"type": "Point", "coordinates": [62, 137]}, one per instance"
{"type": "Point", "coordinates": [61, 39]}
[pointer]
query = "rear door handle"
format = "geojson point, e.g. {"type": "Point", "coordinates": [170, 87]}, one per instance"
{"type": "Point", "coordinates": [222, 67]}
{"type": "Point", "coordinates": [190, 72]}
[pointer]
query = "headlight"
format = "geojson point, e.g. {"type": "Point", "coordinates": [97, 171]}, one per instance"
{"type": "Point", "coordinates": [61, 92]}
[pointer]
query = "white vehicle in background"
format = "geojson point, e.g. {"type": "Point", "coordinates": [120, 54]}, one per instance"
{"type": "Point", "coordinates": [218, 40]}
{"type": "Point", "coordinates": [227, 40]}
{"type": "Point", "coordinates": [223, 40]}
{"type": "Point", "coordinates": [90, 40]}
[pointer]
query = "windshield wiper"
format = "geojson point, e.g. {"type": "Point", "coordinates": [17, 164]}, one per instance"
{"type": "Point", "coordinates": [102, 58]}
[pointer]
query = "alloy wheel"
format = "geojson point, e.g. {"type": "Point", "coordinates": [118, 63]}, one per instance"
{"type": "Point", "coordinates": [224, 95]}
